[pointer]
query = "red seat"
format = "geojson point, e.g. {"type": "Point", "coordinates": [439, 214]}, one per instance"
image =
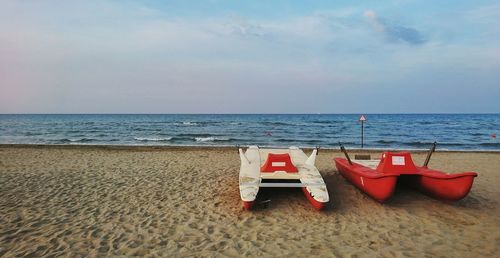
{"type": "Point", "coordinates": [397, 162]}
{"type": "Point", "coordinates": [278, 162]}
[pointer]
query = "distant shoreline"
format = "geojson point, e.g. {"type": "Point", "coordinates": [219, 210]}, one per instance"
{"type": "Point", "coordinates": [216, 147]}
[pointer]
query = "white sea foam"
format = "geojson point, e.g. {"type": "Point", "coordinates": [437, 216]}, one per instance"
{"type": "Point", "coordinates": [152, 139]}
{"type": "Point", "coordinates": [72, 140]}
{"type": "Point", "coordinates": [210, 139]}
{"type": "Point", "coordinates": [186, 123]}
{"type": "Point", "coordinates": [205, 139]}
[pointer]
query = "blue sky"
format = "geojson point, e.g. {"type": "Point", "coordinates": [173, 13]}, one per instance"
{"type": "Point", "coordinates": [249, 56]}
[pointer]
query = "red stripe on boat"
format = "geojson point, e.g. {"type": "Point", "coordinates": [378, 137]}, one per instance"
{"type": "Point", "coordinates": [248, 205]}
{"type": "Point", "coordinates": [317, 205]}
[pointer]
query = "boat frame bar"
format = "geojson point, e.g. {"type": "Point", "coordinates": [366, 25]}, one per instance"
{"type": "Point", "coordinates": [284, 184]}
{"type": "Point", "coordinates": [345, 153]}
{"type": "Point", "coordinates": [429, 154]}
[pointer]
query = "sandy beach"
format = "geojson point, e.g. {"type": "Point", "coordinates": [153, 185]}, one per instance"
{"type": "Point", "coordinates": [104, 201]}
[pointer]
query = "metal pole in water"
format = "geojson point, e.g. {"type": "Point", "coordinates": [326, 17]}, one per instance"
{"type": "Point", "coordinates": [362, 133]}
{"type": "Point", "coordinates": [362, 119]}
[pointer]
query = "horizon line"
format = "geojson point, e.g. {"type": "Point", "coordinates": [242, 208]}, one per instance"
{"type": "Point", "coordinates": [317, 113]}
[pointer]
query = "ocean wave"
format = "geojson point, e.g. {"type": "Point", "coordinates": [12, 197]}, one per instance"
{"type": "Point", "coordinates": [197, 123]}
{"type": "Point", "coordinates": [152, 139]}
{"type": "Point", "coordinates": [140, 129]}
{"type": "Point", "coordinates": [68, 140]}
{"type": "Point", "coordinates": [32, 133]}
{"type": "Point", "coordinates": [285, 140]}
{"type": "Point", "coordinates": [189, 123]}
{"type": "Point", "coordinates": [417, 144]}
{"type": "Point", "coordinates": [326, 122]}
{"type": "Point", "coordinates": [310, 141]}
{"type": "Point", "coordinates": [185, 123]}
{"type": "Point", "coordinates": [490, 144]}
{"type": "Point", "coordinates": [451, 144]}
{"type": "Point", "coordinates": [191, 135]}
{"type": "Point", "coordinates": [92, 131]}
{"type": "Point", "coordinates": [385, 141]}
{"type": "Point", "coordinates": [428, 144]}
{"type": "Point", "coordinates": [479, 134]}
{"type": "Point", "coordinates": [74, 131]}
{"type": "Point", "coordinates": [424, 122]}
{"type": "Point", "coordinates": [348, 144]}
{"type": "Point", "coordinates": [275, 123]}
{"type": "Point", "coordinates": [211, 139]}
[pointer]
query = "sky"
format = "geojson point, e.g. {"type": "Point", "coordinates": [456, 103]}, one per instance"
{"type": "Point", "coordinates": [255, 56]}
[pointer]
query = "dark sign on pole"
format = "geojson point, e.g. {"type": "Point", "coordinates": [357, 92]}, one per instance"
{"type": "Point", "coordinates": [362, 119]}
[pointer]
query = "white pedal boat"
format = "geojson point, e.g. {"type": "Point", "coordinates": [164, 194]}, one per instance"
{"type": "Point", "coordinates": [280, 168]}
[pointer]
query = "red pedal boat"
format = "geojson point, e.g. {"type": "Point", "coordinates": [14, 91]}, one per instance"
{"type": "Point", "coordinates": [379, 180]}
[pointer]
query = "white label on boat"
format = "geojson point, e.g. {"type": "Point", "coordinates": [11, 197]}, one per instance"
{"type": "Point", "coordinates": [398, 160]}
{"type": "Point", "coordinates": [278, 164]}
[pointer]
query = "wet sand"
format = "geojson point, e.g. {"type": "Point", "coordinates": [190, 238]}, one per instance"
{"type": "Point", "coordinates": [103, 201]}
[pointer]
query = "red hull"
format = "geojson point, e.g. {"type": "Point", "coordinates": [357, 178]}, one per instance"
{"type": "Point", "coordinates": [317, 205]}
{"type": "Point", "coordinates": [248, 205]}
{"type": "Point", "coordinates": [379, 188]}
{"type": "Point", "coordinates": [380, 183]}
{"type": "Point", "coordinates": [451, 188]}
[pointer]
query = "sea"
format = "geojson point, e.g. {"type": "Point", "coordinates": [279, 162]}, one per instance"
{"type": "Point", "coordinates": [380, 131]}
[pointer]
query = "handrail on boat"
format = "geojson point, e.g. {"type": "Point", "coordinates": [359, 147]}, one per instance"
{"type": "Point", "coordinates": [433, 148]}
{"type": "Point", "coordinates": [345, 153]}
